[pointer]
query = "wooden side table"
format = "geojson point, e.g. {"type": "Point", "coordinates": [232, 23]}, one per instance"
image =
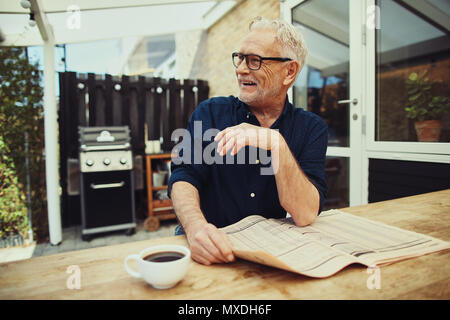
{"type": "Point", "coordinates": [157, 209]}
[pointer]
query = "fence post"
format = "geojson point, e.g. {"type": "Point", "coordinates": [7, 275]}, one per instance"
{"type": "Point", "coordinates": [100, 101]}
{"type": "Point", "coordinates": [149, 112]}
{"type": "Point", "coordinates": [108, 100]}
{"type": "Point", "coordinates": [164, 115]}
{"type": "Point", "coordinates": [91, 90]}
{"type": "Point", "coordinates": [125, 101]}
{"type": "Point", "coordinates": [174, 111]}
{"type": "Point", "coordinates": [141, 114]}
{"type": "Point", "coordinates": [203, 91]}
{"type": "Point", "coordinates": [116, 101]}
{"type": "Point", "coordinates": [155, 126]}
{"type": "Point", "coordinates": [82, 94]}
{"type": "Point", "coordinates": [133, 111]}
{"type": "Point", "coordinates": [188, 100]}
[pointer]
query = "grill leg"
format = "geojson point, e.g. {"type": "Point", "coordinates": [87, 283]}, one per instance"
{"type": "Point", "coordinates": [86, 237]}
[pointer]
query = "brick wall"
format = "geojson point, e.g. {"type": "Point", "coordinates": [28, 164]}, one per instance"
{"type": "Point", "coordinates": [187, 43]}
{"type": "Point", "coordinates": [213, 58]}
{"type": "Point", "coordinates": [138, 60]}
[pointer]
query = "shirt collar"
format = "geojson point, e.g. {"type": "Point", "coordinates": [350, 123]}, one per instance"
{"type": "Point", "coordinates": [245, 113]}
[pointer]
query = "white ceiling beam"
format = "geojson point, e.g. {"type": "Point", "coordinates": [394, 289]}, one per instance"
{"type": "Point", "coordinates": [60, 6]}
{"type": "Point", "coordinates": [41, 20]}
{"type": "Point", "coordinates": [164, 19]}
{"type": "Point", "coordinates": [50, 125]}
{"type": "Point", "coordinates": [429, 10]}
{"type": "Point", "coordinates": [220, 9]}
{"type": "Point", "coordinates": [24, 39]}
{"type": "Point", "coordinates": [322, 26]}
{"type": "Point", "coordinates": [12, 7]}
{"type": "Point", "coordinates": [317, 62]}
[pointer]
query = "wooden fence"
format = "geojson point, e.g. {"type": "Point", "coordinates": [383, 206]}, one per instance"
{"type": "Point", "coordinates": [155, 104]}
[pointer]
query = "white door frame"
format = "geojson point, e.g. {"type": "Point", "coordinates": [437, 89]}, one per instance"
{"type": "Point", "coordinates": [358, 162]}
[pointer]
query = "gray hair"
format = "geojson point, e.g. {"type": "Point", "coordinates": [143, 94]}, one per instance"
{"type": "Point", "coordinates": [290, 39]}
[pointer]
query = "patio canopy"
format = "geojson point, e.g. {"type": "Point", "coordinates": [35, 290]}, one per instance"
{"type": "Point", "coordinates": [69, 21]}
{"type": "Point", "coordinates": [90, 20]}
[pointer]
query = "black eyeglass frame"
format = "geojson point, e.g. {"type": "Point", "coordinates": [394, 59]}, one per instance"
{"type": "Point", "coordinates": [235, 54]}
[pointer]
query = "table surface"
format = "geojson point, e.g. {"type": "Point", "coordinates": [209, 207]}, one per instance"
{"type": "Point", "coordinates": [103, 276]}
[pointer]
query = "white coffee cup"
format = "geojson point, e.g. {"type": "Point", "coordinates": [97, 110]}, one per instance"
{"type": "Point", "coordinates": [161, 275]}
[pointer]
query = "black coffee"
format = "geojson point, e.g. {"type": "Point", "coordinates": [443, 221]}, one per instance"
{"type": "Point", "coordinates": [164, 256]}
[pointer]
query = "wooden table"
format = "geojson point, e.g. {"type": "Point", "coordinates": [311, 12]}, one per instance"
{"type": "Point", "coordinates": [103, 276]}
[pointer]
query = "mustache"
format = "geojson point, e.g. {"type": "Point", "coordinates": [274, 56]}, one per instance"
{"type": "Point", "coordinates": [247, 80]}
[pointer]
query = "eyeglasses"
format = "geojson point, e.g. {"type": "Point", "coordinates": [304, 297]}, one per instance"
{"type": "Point", "coordinates": [253, 60]}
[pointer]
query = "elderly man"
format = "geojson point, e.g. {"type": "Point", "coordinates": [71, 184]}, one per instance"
{"type": "Point", "coordinates": [207, 196]}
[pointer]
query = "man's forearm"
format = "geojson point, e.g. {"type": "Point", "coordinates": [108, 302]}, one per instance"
{"type": "Point", "coordinates": [296, 193]}
{"type": "Point", "coordinates": [208, 244]}
{"type": "Point", "coordinates": [186, 203]}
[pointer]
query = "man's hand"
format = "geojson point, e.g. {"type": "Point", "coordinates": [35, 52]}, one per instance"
{"type": "Point", "coordinates": [209, 244]}
{"type": "Point", "coordinates": [237, 137]}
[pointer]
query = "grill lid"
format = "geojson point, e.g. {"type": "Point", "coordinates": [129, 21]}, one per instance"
{"type": "Point", "coordinates": [98, 138]}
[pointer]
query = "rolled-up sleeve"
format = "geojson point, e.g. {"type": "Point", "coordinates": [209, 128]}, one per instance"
{"type": "Point", "coordinates": [313, 157]}
{"type": "Point", "coordinates": [189, 166]}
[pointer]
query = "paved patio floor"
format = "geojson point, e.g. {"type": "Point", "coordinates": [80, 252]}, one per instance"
{"type": "Point", "coordinates": [72, 241]}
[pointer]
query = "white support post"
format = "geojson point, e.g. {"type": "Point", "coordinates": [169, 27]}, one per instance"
{"type": "Point", "coordinates": [50, 125]}
{"type": "Point", "coordinates": [51, 145]}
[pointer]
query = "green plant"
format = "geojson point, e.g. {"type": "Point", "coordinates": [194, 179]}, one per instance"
{"type": "Point", "coordinates": [422, 104]}
{"type": "Point", "coordinates": [21, 110]}
{"type": "Point", "coordinates": [13, 212]}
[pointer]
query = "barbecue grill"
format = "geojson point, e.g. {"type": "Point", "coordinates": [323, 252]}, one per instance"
{"type": "Point", "coordinates": [106, 180]}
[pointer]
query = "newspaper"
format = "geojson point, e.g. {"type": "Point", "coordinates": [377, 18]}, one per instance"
{"type": "Point", "coordinates": [335, 240]}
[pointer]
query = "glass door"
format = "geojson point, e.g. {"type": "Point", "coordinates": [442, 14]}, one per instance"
{"type": "Point", "coordinates": [330, 85]}
{"type": "Point", "coordinates": [408, 67]}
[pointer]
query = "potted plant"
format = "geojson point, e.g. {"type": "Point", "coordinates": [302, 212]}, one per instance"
{"type": "Point", "coordinates": [424, 107]}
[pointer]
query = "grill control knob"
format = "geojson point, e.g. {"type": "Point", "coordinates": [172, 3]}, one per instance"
{"type": "Point", "coordinates": [89, 162]}
{"type": "Point", "coordinates": [106, 161]}
{"type": "Point", "coordinates": [123, 160]}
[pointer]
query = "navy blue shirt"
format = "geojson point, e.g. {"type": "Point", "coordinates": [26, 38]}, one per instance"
{"type": "Point", "coordinates": [231, 192]}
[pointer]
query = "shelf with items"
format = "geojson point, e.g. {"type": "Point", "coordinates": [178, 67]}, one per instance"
{"type": "Point", "coordinates": [159, 206]}
{"type": "Point", "coordinates": [159, 188]}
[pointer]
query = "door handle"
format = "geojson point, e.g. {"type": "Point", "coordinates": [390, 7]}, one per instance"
{"type": "Point", "coordinates": [354, 101]}
{"type": "Point", "coordinates": [107, 185]}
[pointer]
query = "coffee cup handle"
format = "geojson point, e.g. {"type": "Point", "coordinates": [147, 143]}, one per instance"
{"type": "Point", "coordinates": [129, 270]}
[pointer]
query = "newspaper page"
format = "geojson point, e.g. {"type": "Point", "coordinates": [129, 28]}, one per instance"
{"type": "Point", "coordinates": [335, 240]}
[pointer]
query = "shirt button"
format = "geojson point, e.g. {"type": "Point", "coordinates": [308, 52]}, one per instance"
{"type": "Point", "coordinates": [257, 161]}
{"type": "Point", "coordinates": [252, 195]}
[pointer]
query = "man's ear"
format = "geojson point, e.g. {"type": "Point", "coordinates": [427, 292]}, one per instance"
{"type": "Point", "coordinates": [291, 72]}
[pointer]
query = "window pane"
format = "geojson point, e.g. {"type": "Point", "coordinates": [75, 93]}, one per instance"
{"type": "Point", "coordinates": [409, 42]}
{"type": "Point", "coordinates": [337, 181]}
{"type": "Point", "coordinates": [324, 80]}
